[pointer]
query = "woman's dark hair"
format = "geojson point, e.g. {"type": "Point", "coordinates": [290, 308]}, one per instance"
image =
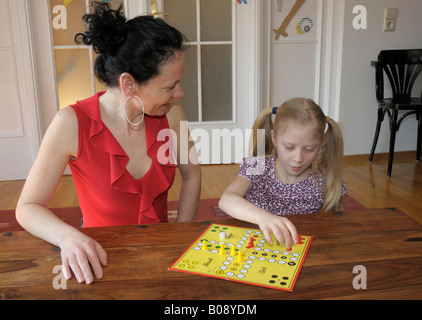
{"type": "Point", "coordinates": [138, 46]}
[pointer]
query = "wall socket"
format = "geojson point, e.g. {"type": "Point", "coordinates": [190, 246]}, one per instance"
{"type": "Point", "coordinates": [390, 15]}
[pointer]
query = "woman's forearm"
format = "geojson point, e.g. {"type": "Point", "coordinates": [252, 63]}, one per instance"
{"type": "Point", "coordinates": [43, 223]}
{"type": "Point", "coordinates": [190, 192]}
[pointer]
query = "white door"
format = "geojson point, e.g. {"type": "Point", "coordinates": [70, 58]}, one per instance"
{"type": "Point", "coordinates": [304, 60]}
{"type": "Point", "coordinates": [19, 134]}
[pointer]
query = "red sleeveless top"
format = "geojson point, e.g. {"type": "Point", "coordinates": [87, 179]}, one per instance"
{"type": "Point", "coordinates": [108, 194]}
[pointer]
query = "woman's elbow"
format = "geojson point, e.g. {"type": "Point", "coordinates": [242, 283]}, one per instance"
{"type": "Point", "coordinates": [223, 201]}
{"type": "Point", "coordinates": [19, 214]}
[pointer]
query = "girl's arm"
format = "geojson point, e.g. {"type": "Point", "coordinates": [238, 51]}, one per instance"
{"type": "Point", "coordinates": [233, 203]}
{"type": "Point", "coordinates": [188, 165]}
{"type": "Point", "coordinates": [60, 142]}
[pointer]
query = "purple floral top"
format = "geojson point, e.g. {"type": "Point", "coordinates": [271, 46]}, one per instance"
{"type": "Point", "coordinates": [268, 193]}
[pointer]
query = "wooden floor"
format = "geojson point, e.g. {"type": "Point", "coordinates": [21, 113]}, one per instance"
{"type": "Point", "coordinates": [366, 182]}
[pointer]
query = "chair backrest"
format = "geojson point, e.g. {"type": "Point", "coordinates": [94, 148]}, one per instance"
{"type": "Point", "coordinates": [402, 68]}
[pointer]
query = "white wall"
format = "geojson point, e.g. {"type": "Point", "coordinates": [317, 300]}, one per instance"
{"type": "Point", "coordinates": [357, 97]}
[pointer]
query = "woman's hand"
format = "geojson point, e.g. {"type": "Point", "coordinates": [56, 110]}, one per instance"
{"type": "Point", "coordinates": [79, 254]}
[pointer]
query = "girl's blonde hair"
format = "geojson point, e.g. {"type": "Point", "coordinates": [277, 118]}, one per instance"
{"type": "Point", "coordinates": [329, 161]}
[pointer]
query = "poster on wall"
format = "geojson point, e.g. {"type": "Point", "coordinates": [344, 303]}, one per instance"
{"type": "Point", "coordinates": [294, 20]}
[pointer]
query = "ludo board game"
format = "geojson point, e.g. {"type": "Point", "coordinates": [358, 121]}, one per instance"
{"type": "Point", "coordinates": [244, 255]}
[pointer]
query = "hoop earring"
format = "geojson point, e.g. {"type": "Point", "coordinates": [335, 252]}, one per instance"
{"type": "Point", "coordinates": [143, 111]}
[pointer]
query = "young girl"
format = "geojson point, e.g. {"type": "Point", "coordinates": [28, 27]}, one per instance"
{"type": "Point", "coordinates": [301, 172]}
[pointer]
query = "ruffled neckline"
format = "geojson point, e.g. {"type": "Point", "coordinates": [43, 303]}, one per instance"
{"type": "Point", "coordinates": [120, 178]}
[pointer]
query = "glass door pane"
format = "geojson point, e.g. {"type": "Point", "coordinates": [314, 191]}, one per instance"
{"type": "Point", "coordinates": [216, 82]}
{"type": "Point", "coordinates": [73, 75]}
{"type": "Point", "coordinates": [208, 79]}
{"type": "Point", "coordinates": [216, 20]}
{"type": "Point", "coordinates": [74, 63]}
{"type": "Point", "coordinates": [67, 20]}
{"type": "Point", "coordinates": [182, 16]}
{"type": "Point", "coordinates": [189, 84]}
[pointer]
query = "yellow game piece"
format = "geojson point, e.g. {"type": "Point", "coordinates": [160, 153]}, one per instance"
{"type": "Point", "coordinates": [204, 245]}
{"type": "Point", "coordinates": [233, 252]}
{"type": "Point", "coordinates": [240, 257]}
{"type": "Point", "coordinates": [222, 252]}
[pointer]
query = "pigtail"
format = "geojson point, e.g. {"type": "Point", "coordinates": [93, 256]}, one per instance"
{"type": "Point", "coordinates": [262, 126]}
{"type": "Point", "coordinates": [330, 163]}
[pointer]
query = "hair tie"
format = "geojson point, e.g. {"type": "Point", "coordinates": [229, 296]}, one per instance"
{"type": "Point", "coordinates": [327, 123]}
{"type": "Point", "coordinates": [275, 110]}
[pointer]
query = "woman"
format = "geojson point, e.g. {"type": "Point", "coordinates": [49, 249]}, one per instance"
{"type": "Point", "coordinates": [112, 143]}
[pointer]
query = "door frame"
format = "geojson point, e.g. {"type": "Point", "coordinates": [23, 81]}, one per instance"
{"type": "Point", "coordinates": [20, 145]}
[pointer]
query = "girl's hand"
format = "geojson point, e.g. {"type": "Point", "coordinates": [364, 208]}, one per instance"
{"type": "Point", "coordinates": [234, 203]}
{"type": "Point", "coordinates": [79, 254]}
{"type": "Point", "coordinates": [284, 231]}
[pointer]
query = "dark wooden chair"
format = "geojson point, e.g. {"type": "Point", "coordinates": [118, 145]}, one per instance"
{"type": "Point", "coordinates": [402, 68]}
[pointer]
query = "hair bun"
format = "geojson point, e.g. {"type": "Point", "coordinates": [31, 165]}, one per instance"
{"type": "Point", "coordinates": [106, 29]}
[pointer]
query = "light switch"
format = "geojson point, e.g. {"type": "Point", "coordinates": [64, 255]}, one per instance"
{"type": "Point", "coordinates": [390, 15]}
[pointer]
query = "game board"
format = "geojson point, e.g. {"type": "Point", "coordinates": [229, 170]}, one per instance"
{"type": "Point", "coordinates": [243, 255]}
